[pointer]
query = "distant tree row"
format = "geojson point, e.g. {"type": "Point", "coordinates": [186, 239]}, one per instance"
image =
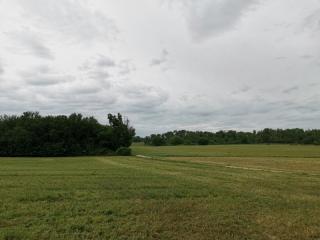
{"type": "Point", "coordinates": [31, 134]}
{"type": "Point", "coordinates": [285, 136]}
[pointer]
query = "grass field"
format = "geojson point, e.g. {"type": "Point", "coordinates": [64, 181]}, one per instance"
{"type": "Point", "coordinates": [274, 150]}
{"type": "Point", "coordinates": [184, 192]}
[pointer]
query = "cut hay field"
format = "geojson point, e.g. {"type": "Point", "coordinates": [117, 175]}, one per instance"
{"type": "Point", "coordinates": [183, 192]}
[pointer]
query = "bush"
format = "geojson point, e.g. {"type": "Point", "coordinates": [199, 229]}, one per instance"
{"type": "Point", "coordinates": [203, 141]}
{"type": "Point", "coordinates": [123, 151]}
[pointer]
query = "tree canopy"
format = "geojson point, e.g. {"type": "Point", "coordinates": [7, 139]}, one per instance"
{"type": "Point", "coordinates": [31, 134]}
{"type": "Point", "coordinates": [286, 136]}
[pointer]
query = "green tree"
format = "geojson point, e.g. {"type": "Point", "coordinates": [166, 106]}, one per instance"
{"type": "Point", "coordinates": [176, 140]}
{"type": "Point", "coordinates": [122, 132]}
{"type": "Point", "coordinates": [157, 140]}
{"type": "Point", "coordinates": [203, 141]}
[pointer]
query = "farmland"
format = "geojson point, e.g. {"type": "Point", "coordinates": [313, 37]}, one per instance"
{"type": "Point", "coordinates": [180, 192]}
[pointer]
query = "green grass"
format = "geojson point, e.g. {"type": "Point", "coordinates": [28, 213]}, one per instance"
{"type": "Point", "coordinates": [241, 196]}
{"type": "Point", "coordinates": [272, 150]}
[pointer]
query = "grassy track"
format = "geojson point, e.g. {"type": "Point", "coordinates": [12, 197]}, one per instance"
{"type": "Point", "coordinates": [251, 196]}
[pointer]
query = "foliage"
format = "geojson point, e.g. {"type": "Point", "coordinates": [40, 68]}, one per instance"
{"type": "Point", "coordinates": [34, 135]}
{"type": "Point", "coordinates": [203, 141]}
{"type": "Point", "coordinates": [137, 139]}
{"type": "Point", "coordinates": [176, 140]}
{"type": "Point", "coordinates": [283, 136]}
{"type": "Point", "coordinates": [121, 133]}
{"type": "Point", "coordinates": [123, 151]}
{"type": "Point", "coordinates": [157, 140]}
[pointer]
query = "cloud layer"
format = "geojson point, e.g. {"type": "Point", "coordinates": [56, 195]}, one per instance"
{"type": "Point", "coordinates": [200, 65]}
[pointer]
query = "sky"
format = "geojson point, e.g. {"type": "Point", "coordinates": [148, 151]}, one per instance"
{"type": "Point", "coordinates": [165, 64]}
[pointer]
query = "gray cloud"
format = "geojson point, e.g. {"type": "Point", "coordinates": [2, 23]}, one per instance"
{"type": "Point", "coordinates": [105, 62]}
{"type": "Point", "coordinates": [207, 18]}
{"type": "Point", "coordinates": [264, 113]}
{"type": "Point", "coordinates": [1, 69]}
{"type": "Point", "coordinates": [306, 56]}
{"type": "Point", "coordinates": [161, 60]}
{"type": "Point", "coordinates": [280, 58]}
{"type": "Point", "coordinates": [312, 21]}
{"type": "Point", "coordinates": [125, 67]}
{"type": "Point", "coordinates": [314, 84]}
{"type": "Point", "coordinates": [143, 98]}
{"type": "Point", "coordinates": [74, 19]}
{"type": "Point", "coordinates": [291, 89]}
{"type": "Point", "coordinates": [53, 92]}
{"type": "Point", "coordinates": [29, 43]}
{"type": "Point", "coordinates": [102, 68]}
{"type": "Point", "coordinates": [242, 90]}
{"type": "Point", "coordinates": [44, 80]}
{"type": "Point", "coordinates": [42, 76]}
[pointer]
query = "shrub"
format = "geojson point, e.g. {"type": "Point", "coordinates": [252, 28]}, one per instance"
{"type": "Point", "coordinates": [123, 151]}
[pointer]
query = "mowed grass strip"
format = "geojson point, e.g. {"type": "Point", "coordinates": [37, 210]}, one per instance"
{"type": "Point", "coordinates": [159, 198]}
{"type": "Point", "coordinates": [249, 150]}
{"type": "Point", "coordinates": [272, 164]}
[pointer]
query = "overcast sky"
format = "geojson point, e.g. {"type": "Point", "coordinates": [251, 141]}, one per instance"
{"type": "Point", "coordinates": [165, 64]}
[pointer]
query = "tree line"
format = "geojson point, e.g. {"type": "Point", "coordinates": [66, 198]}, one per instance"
{"type": "Point", "coordinates": [282, 136]}
{"type": "Point", "coordinates": [31, 134]}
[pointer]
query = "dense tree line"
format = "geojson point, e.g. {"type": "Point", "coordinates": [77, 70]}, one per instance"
{"type": "Point", "coordinates": [31, 134]}
{"type": "Point", "coordinates": [287, 136]}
